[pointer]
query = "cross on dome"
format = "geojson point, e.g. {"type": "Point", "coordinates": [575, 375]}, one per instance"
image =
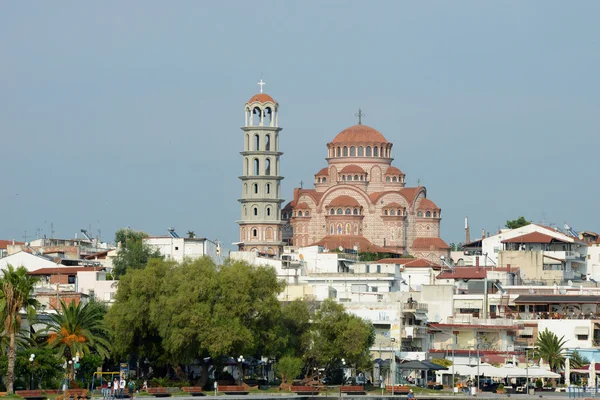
{"type": "Point", "coordinates": [359, 114]}
{"type": "Point", "coordinates": [261, 83]}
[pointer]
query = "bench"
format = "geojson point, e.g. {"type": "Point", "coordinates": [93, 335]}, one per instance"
{"type": "Point", "coordinates": [77, 394]}
{"type": "Point", "coordinates": [158, 392]}
{"type": "Point", "coordinates": [309, 390]}
{"type": "Point", "coordinates": [193, 390]}
{"type": "Point", "coordinates": [232, 389]}
{"type": "Point", "coordinates": [358, 389]}
{"type": "Point", "coordinates": [30, 394]}
{"type": "Point", "coordinates": [397, 389]}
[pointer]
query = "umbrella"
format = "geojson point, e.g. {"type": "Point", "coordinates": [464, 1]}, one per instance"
{"type": "Point", "coordinates": [592, 378]}
{"type": "Point", "coordinates": [433, 366]}
{"type": "Point", "coordinates": [568, 371]}
{"type": "Point", "coordinates": [537, 372]}
{"type": "Point", "coordinates": [413, 365]}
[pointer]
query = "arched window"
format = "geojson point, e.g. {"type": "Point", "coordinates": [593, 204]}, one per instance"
{"type": "Point", "coordinates": [245, 188]}
{"type": "Point", "coordinates": [247, 172]}
{"type": "Point", "coordinates": [348, 211]}
{"type": "Point", "coordinates": [345, 151]}
{"type": "Point", "coordinates": [355, 177]}
{"type": "Point", "coordinates": [387, 178]}
{"type": "Point", "coordinates": [381, 151]}
{"type": "Point", "coordinates": [324, 180]}
{"type": "Point", "coordinates": [419, 214]}
{"type": "Point", "coordinates": [256, 166]}
{"type": "Point", "coordinates": [255, 211]}
{"type": "Point", "coordinates": [352, 151]}
{"type": "Point", "coordinates": [245, 211]}
{"type": "Point", "coordinates": [375, 151]}
{"type": "Point", "coordinates": [362, 177]}
{"type": "Point", "coordinates": [360, 151]}
{"type": "Point", "coordinates": [340, 211]}
{"type": "Point", "coordinates": [268, 211]}
{"type": "Point", "coordinates": [343, 177]}
{"type": "Point", "coordinates": [338, 152]}
{"type": "Point", "coordinates": [268, 166]}
{"type": "Point", "coordinates": [349, 177]}
{"type": "Point", "coordinates": [332, 211]}
{"type": "Point", "coordinates": [268, 143]}
{"type": "Point", "coordinates": [385, 212]}
{"type": "Point", "coordinates": [368, 152]}
{"type": "Point", "coordinates": [256, 142]}
{"type": "Point", "coordinates": [339, 229]}
{"type": "Point", "coordinates": [331, 229]}
{"type": "Point", "coordinates": [428, 214]}
{"type": "Point", "coordinates": [268, 188]}
{"type": "Point", "coordinates": [306, 213]}
{"type": "Point", "coordinates": [392, 212]}
{"type": "Point", "coordinates": [247, 142]}
{"type": "Point", "coordinates": [394, 179]}
{"type": "Point", "coordinates": [318, 180]}
{"type": "Point", "coordinates": [299, 213]}
{"type": "Point", "coordinates": [356, 211]}
{"type": "Point", "coordinates": [435, 214]}
{"type": "Point", "coordinates": [255, 232]}
{"type": "Point", "coordinates": [255, 186]}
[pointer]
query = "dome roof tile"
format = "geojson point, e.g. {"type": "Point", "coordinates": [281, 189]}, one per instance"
{"type": "Point", "coordinates": [359, 134]}
{"type": "Point", "coordinates": [344, 200]}
{"type": "Point", "coordinates": [393, 171]}
{"type": "Point", "coordinates": [262, 98]}
{"type": "Point", "coordinates": [352, 168]}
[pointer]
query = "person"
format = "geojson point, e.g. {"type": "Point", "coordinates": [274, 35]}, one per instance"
{"type": "Point", "coordinates": [411, 394]}
{"type": "Point", "coordinates": [131, 388]}
{"type": "Point", "coordinates": [122, 385]}
{"type": "Point", "coordinates": [105, 390]}
{"type": "Point", "coordinates": [115, 388]}
{"type": "Point", "coordinates": [145, 385]}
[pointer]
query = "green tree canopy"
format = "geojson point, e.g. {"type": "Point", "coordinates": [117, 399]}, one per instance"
{"type": "Point", "coordinates": [16, 295]}
{"type": "Point", "coordinates": [517, 223]}
{"type": "Point", "coordinates": [132, 252]}
{"type": "Point", "coordinates": [288, 368]}
{"type": "Point", "coordinates": [550, 348]}
{"type": "Point", "coordinates": [577, 360]}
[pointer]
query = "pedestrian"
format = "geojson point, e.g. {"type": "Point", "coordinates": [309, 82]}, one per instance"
{"type": "Point", "coordinates": [145, 385]}
{"type": "Point", "coordinates": [131, 388]}
{"type": "Point", "coordinates": [411, 394]}
{"type": "Point", "coordinates": [105, 389]}
{"type": "Point", "coordinates": [122, 385]}
{"type": "Point", "coordinates": [115, 388]}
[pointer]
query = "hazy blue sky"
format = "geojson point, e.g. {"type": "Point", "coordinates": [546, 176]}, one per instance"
{"type": "Point", "coordinates": [128, 112]}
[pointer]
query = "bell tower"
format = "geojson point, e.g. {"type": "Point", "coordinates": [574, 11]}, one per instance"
{"type": "Point", "coordinates": [260, 224]}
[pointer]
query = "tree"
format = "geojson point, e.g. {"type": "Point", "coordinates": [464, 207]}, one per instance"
{"type": "Point", "coordinates": [550, 347]}
{"type": "Point", "coordinates": [191, 234]}
{"type": "Point", "coordinates": [17, 289]}
{"type": "Point", "coordinates": [132, 252]}
{"type": "Point", "coordinates": [295, 327]}
{"type": "Point", "coordinates": [576, 360]}
{"type": "Point", "coordinates": [337, 335]}
{"type": "Point", "coordinates": [79, 330]}
{"type": "Point", "coordinates": [442, 361]}
{"type": "Point", "coordinates": [517, 223]}
{"type": "Point", "coordinates": [288, 368]}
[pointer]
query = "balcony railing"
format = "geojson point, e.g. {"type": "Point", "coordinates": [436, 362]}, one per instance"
{"type": "Point", "coordinates": [470, 320]}
{"type": "Point", "coordinates": [414, 306]}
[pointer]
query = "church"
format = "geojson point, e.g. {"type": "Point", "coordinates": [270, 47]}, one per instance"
{"type": "Point", "coordinates": [359, 201]}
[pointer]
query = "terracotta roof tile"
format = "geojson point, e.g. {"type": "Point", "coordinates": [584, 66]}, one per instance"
{"type": "Point", "coordinates": [261, 98]}
{"type": "Point", "coordinates": [429, 244]}
{"type": "Point", "coordinates": [302, 206]}
{"type": "Point", "coordinates": [464, 273]}
{"type": "Point", "coordinates": [63, 270]}
{"type": "Point", "coordinates": [410, 262]}
{"type": "Point", "coordinates": [426, 204]}
{"type": "Point", "coordinates": [393, 204]}
{"type": "Point", "coordinates": [534, 237]}
{"type": "Point", "coordinates": [5, 243]}
{"type": "Point", "coordinates": [393, 171]}
{"type": "Point", "coordinates": [324, 171]}
{"type": "Point", "coordinates": [344, 200]}
{"type": "Point", "coordinates": [349, 241]}
{"type": "Point", "coordinates": [410, 193]}
{"type": "Point", "coordinates": [353, 168]}
{"type": "Point", "coordinates": [359, 134]}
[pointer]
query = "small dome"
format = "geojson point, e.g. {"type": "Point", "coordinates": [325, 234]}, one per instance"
{"type": "Point", "coordinates": [393, 171]}
{"type": "Point", "coordinates": [427, 204]}
{"type": "Point", "coordinates": [323, 172]}
{"type": "Point", "coordinates": [343, 201]}
{"type": "Point", "coordinates": [359, 134]}
{"type": "Point", "coordinates": [352, 169]}
{"type": "Point", "coordinates": [262, 98]}
{"type": "Point", "coordinates": [393, 204]}
{"type": "Point", "coordinates": [302, 206]}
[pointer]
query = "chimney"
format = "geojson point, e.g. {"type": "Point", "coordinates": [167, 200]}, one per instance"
{"type": "Point", "coordinates": [483, 233]}
{"type": "Point", "coordinates": [467, 231]}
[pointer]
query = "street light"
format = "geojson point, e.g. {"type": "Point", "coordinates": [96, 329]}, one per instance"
{"type": "Point", "coordinates": [343, 370]}
{"type": "Point", "coordinates": [31, 358]}
{"type": "Point", "coordinates": [393, 340]}
{"type": "Point", "coordinates": [241, 361]}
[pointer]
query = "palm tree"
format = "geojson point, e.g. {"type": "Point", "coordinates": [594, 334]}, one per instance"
{"type": "Point", "coordinates": [17, 288]}
{"type": "Point", "coordinates": [79, 329]}
{"type": "Point", "coordinates": [551, 348]}
{"type": "Point", "coordinates": [191, 234]}
{"type": "Point", "coordinates": [576, 360]}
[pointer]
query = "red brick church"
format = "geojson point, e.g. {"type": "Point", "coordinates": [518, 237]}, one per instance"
{"type": "Point", "coordinates": [360, 201]}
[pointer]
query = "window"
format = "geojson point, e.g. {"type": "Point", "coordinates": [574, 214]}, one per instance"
{"type": "Point", "coordinates": [324, 180]}
{"type": "Point", "coordinates": [360, 151]}
{"type": "Point", "coordinates": [378, 271]}
{"type": "Point", "coordinates": [343, 177]}
{"type": "Point", "coordinates": [176, 247]}
{"type": "Point", "coordinates": [387, 179]}
{"type": "Point", "coordinates": [345, 151]}
{"type": "Point", "coordinates": [356, 211]}
{"type": "Point", "coordinates": [299, 213]}
{"type": "Point", "coordinates": [331, 229]}
{"type": "Point", "coordinates": [306, 213]}
{"type": "Point", "coordinates": [268, 143]}
{"type": "Point", "coordinates": [352, 151]}
{"type": "Point", "coordinates": [399, 212]}
{"type": "Point", "coordinates": [368, 152]}
{"type": "Point", "coordinates": [268, 167]}
{"type": "Point", "coordinates": [355, 177]}
{"type": "Point", "coordinates": [255, 188]}
{"type": "Point", "coordinates": [582, 337]}
{"type": "Point", "coordinates": [394, 179]}
{"type": "Point", "coordinates": [428, 214]}
{"type": "Point", "coordinates": [71, 279]}
{"type": "Point", "coordinates": [256, 143]}
{"type": "Point", "coordinates": [385, 212]}
{"type": "Point", "coordinates": [255, 210]}
{"type": "Point", "coordinates": [256, 166]}
{"type": "Point", "coordinates": [420, 214]}
{"type": "Point", "coordinates": [375, 151]}
{"type": "Point", "coordinates": [340, 211]}
{"type": "Point", "coordinates": [348, 212]}
{"type": "Point", "coordinates": [268, 188]}
{"type": "Point", "coordinates": [332, 211]}
{"type": "Point", "coordinates": [392, 212]}
{"type": "Point", "coordinates": [339, 152]}
{"type": "Point", "coordinates": [268, 211]}
{"type": "Point", "coordinates": [435, 214]}
{"type": "Point", "coordinates": [254, 232]}
{"type": "Point", "coordinates": [349, 177]}
{"type": "Point", "coordinates": [374, 288]}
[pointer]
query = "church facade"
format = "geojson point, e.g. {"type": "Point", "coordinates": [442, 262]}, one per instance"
{"type": "Point", "coordinates": [360, 202]}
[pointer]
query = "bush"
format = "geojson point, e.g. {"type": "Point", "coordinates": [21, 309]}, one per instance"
{"type": "Point", "coordinates": [538, 383]}
{"type": "Point", "coordinates": [500, 386]}
{"type": "Point", "coordinates": [288, 368]}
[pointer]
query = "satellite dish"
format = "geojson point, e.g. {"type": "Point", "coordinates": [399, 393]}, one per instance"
{"type": "Point", "coordinates": [567, 227]}
{"type": "Point", "coordinates": [355, 248]}
{"type": "Point", "coordinates": [340, 248]}
{"type": "Point", "coordinates": [570, 283]}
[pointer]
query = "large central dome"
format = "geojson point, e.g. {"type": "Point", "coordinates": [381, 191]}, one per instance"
{"type": "Point", "coordinates": [359, 134]}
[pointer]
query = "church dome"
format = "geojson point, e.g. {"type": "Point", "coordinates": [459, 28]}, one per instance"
{"type": "Point", "coordinates": [262, 98]}
{"type": "Point", "coordinates": [344, 200]}
{"type": "Point", "coordinates": [359, 134]}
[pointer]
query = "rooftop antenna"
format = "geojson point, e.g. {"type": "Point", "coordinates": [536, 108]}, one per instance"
{"type": "Point", "coordinates": [467, 231]}
{"type": "Point", "coordinates": [173, 234]}
{"type": "Point", "coordinates": [51, 230]}
{"type": "Point", "coordinates": [25, 236]}
{"type": "Point", "coordinates": [85, 233]}
{"type": "Point", "coordinates": [99, 232]}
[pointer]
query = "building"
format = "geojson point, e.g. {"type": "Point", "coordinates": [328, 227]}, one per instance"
{"type": "Point", "coordinates": [360, 201]}
{"type": "Point", "coordinates": [177, 248]}
{"type": "Point", "coordinates": [260, 222]}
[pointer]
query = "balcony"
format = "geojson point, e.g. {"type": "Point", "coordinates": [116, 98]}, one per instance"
{"type": "Point", "coordinates": [416, 332]}
{"type": "Point", "coordinates": [414, 306]}
{"type": "Point", "coordinates": [491, 322]}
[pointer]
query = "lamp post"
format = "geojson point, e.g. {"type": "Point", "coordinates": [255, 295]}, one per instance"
{"type": "Point", "coordinates": [343, 370]}
{"type": "Point", "coordinates": [393, 340]}
{"type": "Point", "coordinates": [31, 358]}
{"type": "Point", "coordinates": [241, 361]}
{"type": "Point", "coordinates": [452, 344]}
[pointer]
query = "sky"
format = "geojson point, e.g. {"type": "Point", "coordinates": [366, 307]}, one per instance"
{"type": "Point", "coordinates": [116, 114]}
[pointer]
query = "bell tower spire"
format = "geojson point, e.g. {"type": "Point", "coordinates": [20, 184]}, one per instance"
{"type": "Point", "coordinates": [260, 222]}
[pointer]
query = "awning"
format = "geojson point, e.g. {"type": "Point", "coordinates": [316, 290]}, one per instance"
{"type": "Point", "coordinates": [582, 330]}
{"type": "Point", "coordinates": [527, 331]}
{"type": "Point", "coordinates": [421, 317]}
{"type": "Point", "coordinates": [475, 303]}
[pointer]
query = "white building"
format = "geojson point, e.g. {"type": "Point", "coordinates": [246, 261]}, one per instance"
{"type": "Point", "coordinates": [30, 261]}
{"type": "Point", "coordinates": [176, 248]}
